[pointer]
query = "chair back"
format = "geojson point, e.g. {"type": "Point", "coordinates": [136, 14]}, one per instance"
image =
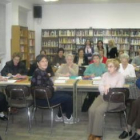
{"type": "Point", "coordinates": [81, 70]}
{"type": "Point", "coordinates": [40, 93]}
{"type": "Point", "coordinates": [17, 91]}
{"type": "Point", "coordinates": [117, 95]}
{"type": "Point", "coordinates": [18, 96]}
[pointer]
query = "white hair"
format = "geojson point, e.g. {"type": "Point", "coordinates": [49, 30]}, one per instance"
{"type": "Point", "coordinates": [124, 56]}
{"type": "Point", "coordinates": [69, 55]}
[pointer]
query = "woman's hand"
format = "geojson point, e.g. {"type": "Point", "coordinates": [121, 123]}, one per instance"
{"type": "Point", "coordinates": [3, 79]}
{"type": "Point", "coordinates": [67, 74]}
{"type": "Point", "coordinates": [106, 89]}
{"type": "Point", "coordinates": [9, 74]}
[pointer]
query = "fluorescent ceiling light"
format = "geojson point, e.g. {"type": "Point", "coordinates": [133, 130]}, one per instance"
{"type": "Point", "coordinates": [50, 0]}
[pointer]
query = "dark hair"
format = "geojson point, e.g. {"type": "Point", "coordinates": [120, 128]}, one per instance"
{"type": "Point", "coordinates": [81, 49]}
{"type": "Point", "coordinates": [101, 42]}
{"type": "Point", "coordinates": [60, 49]}
{"type": "Point", "coordinates": [16, 54]}
{"type": "Point", "coordinates": [40, 57]}
{"type": "Point", "coordinates": [43, 51]}
{"type": "Point", "coordinates": [89, 41]}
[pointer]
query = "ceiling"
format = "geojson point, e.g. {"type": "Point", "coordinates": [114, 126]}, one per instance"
{"type": "Point", "coordinates": [41, 2]}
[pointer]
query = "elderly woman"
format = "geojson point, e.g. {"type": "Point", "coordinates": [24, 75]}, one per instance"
{"type": "Point", "coordinates": [95, 69]}
{"type": "Point", "coordinates": [14, 67]}
{"type": "Point", "coordinates": [125, 68]}
{"type": "Point", "coordinates": [134, 116]}
{"type": "Point", "coordinates": [112, 50]}
{"type": "Point", "coordinates": [68, 69]}
{"type": "Point", "coordinates": [81, 59]}
{"type": "Point", "coordinates": [110, 79]}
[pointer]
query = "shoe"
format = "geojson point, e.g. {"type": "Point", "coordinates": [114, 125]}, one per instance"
{"type": "Point", "coordinates": [3, 118]}
{"type": "Point", "coordinates": [68, 121]}
{"type": "Point", "coordinates": [91, 137]}
{"type": "Point", "coordinates": [136, 136]}
{"type": "Point", "coordinates": [125, 134]}
{"type": "Point", "coordinates": [58, 119]}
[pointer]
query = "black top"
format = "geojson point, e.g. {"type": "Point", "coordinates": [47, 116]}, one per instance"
{"type": "Point", "coordinates": [34, 66]}
{"type": "Point", "coordinates": [58, 60]}
{"type": "Point", "coordinates": [113, 53]}
{"type": "Point", "coordinates": [40, 78]}
{"type": "Point", "coordinates": [85, 60]}
{"type": "Point", "coordinates": [11, 68]}
{"type": "Point", "coordinates": [89, 55]}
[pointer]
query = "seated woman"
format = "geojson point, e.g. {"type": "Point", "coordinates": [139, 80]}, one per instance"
{"type": "Point", "coordinates": [3, 103]}
{"type": "Point", "coordinates": [59, 59]}
{"type": "Point", "coordinates": [14, 67]}
{"type": "Point", "coordinates": [125, 68]}
{"type": "Point", "coordinates": [41, 78]}
{"type": "Point", "coordinates": [103, 59]}
{"type": "Point", "coordinates": [95, 69]}
{"type": "Point", "coordinates": [134, 116]}
{"type": "Point", "coordinates": [81, 59]}
{"type": "Point", "coordinates": [110, 79]}
{"type": "Point", "coordinates": [68, 69]}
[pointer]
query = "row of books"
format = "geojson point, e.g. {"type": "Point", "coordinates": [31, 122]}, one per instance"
{"type": "Point", "coordinates": [50, 43]}
{"type": "Point", "coordinates": [66, 40]}
{"type": "Point", "coordinates": [31, 35]}
{"type": "Point", "coordinates": [31, 42]}
{"type": "Point", "coordinates": [50, 33]}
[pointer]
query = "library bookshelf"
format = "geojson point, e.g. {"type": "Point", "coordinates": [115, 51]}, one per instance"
{"type": "Point", "coordinates": [73, 39]}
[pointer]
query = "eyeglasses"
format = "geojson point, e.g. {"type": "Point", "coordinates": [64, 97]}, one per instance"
{"type": "Point", "coordinates": [110, 66]}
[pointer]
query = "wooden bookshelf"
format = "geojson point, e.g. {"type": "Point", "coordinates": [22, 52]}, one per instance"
{"type": "Point", "coordinates": [31, 47]}
{"type": "Point", "coordinates": [23, 41]}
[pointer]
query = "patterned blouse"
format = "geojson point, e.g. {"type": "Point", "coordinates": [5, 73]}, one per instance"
{"type": "Point", "coordinates": [41, 78]}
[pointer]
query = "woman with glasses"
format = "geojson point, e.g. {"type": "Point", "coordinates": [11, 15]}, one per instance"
{"type": "Point", "coordinates": [110, 79]}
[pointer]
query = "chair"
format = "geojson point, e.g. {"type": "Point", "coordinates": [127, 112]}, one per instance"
{"type": "Point", "coordinates": [118, 96]}
{"type": "Point", "coordinates": [18, 97]}
{"type": "Point", "coordinates": [43, 93]}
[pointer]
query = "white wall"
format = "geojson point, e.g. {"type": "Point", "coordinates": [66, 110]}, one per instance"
{"type": "Point", "coordinates": [87, 15]}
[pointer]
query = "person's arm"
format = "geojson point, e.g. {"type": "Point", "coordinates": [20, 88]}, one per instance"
{"type": "Point", "coordinates": [116, 52]}
{"type": "Point", "coordinates": [74, 70]}
{"type": "Point", "coordinates": [88, 71]}
{"type": "Point", "coordinates": [50, 71]}
{"type": "Point", "coordinates": [86, 60]}
{"type": "Point", "coordinates": [59, 72]}
{"type": "Point", "coordinates": [102, 84]}
{"type": "Point", "coordinates": [132, 71]}
{"type": "Point", "coordinates": [5, 70]}
{"type": "Point", "coordinates": [22, 69]}
{"type": "Point", "coordinates": [121, 81]}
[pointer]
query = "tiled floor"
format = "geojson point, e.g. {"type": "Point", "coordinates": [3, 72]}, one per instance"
{"type": "Point", "coordinates": [41, 131]}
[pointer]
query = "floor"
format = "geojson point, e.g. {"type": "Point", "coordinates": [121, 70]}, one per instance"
{"type": "Point", "coordinates": [41, 130]}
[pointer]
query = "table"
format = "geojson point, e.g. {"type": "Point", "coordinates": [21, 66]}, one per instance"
{"type": "Point", "coordinates": [87, 86]}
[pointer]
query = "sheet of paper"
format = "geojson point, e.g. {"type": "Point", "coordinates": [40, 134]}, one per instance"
{"type": "Point", "coordinates": [96, 78]}
{"type": "Point", "coordinates": [96, 82]}
{"type": "Point", "coordinates": [79, 77]}
{"type": "Point", "coordinates": [63, 78]}
{"type": "Point", "coordinates": [59, 81]}
{"type": "Point", "coordinates": [8, 81]}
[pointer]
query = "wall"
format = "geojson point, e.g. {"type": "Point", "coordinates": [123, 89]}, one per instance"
{"type": "Point", "coordinates": [87, 15]}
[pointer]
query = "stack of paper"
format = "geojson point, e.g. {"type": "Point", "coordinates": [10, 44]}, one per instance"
{"type": "Point", "coordinates": [8, 81]}
{"type": "Point", "coordinates": [59, 81]}
{"type": "Point", "coordinates": [96, 82]}
{"type": "Point", "coordinates": [63, 78]}
{"type": "Point", "coordinates": [96, 78]}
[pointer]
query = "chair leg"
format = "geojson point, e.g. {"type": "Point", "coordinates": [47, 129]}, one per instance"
{"type": "Point", "coordinates": [29, 119]}
{"type": "Point", "coordinates": [42, 116]}
{"type": "Point", "coordinates": [121, 119]}
{"type": "Point", "coordinates": [33, 114]}
{"type": "Point", "coordinates": [62, 114]}
{"type": "Point", "coordinates": [7, 125]}
{"type": "Point", "coordinates": [103, 126]}
{"type": "Point", "coordinates": [126, 121]}
{"type": "Point", "coordinates": [51, 120]}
